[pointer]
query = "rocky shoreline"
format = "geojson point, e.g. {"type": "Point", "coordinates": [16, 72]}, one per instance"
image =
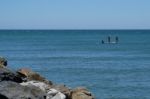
{"type": "Point", "coordinates": [27, 84]}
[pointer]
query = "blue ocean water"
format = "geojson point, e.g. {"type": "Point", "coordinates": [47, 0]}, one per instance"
{"type": "Point", "coordinates": [77, 58]}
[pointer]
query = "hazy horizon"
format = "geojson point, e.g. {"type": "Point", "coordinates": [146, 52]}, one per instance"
{"type": "Point", "coordinates": [80, 29]}
{"type": "Point", "coordinates": [75, 15]}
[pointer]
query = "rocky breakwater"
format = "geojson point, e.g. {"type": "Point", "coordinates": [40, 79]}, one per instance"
{"type": "Point", "coordinates": [26, 84]}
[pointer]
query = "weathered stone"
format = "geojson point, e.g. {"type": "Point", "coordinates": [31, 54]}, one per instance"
{"type": "Point", "coordinates": [54, 94]}
{"type": "Point", "coordinates": [63, 89]}
{"type": "Point", "coordinates": [59, 96]}
{"type": "Point", "coordinates": [44, 87]}
{"type": "Point", "coordinates": [8, 75]}
{"type": "Point", "coordinates": [81, 93]}
{"type": "Point", "coordinates": [12, 90]}
{"type": "Point", "coordinates": [51, 93]}
{"type": "Point", "coordinates": [29, 75]}
{"type": "Point", "coordinates": [3, 62]}
{"type": "Point", "coordinates": [3, 97]}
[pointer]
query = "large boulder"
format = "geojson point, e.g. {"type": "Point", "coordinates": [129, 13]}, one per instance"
{"type": "Point", "coordinates": [50, 92]}
{"type": "Point", "coordinates": [13, 90]}
{"type": "Point", "coordinates": [81, 93]}
{"type": "Point", "coordinates": [29, 75]}
{"type": "Point", "coordinates": [8, 75]}
{"type": "Point", "coordinates": [3, 62]}
{"type": "Point", "coordinates": [44, 87]}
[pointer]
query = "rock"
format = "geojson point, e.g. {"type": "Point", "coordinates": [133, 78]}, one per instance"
{"type": "Point", "coordinates": [63, 89]}
{"type": "Point", "coordinates": [54, 94]}
{"type": "Point", "coordinates": [26, 84]}
{"type": "Point", "coordinates": [44, 87]}
{"type": "Point", "coordinates": [29, 75]}
{"type": "Point", "coordinates": [81, 93]}
{"type": "Point", "coordinates": [3, 97]}
{"type": "Point", "coordinates": [51, 93]}
{"type": "Point", "coordinates": [13, 90]}
{"type": "Point", "coordinates": [24, 72]}
{"type": "Point", "coordinates": [3, 62]}
{"type": "Point", "coordinates": [8, 75]}
{"type": "Point", "coordinates": [59, 96]}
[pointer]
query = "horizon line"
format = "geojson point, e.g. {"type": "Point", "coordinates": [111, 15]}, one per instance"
{"type": "Point", "coordinates": [74, 29]}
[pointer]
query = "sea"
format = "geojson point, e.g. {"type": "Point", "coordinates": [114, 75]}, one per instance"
{"type": "Point", "coordinates": [78, 58]}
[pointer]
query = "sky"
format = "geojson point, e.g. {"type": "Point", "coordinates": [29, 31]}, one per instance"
{"type": "Point", "coordinates": [74, 14]}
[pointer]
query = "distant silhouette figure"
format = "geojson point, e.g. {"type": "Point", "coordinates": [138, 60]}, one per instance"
{"type": "Point", "coordinates": [102, 41]}
{"type": "Point", "coordinates": [117, 39]}
{"type": "Point", "coordinates": [108, 39]}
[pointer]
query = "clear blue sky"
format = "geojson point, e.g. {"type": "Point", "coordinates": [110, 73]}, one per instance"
{"type": "Point", "coordinates": [74, 14]}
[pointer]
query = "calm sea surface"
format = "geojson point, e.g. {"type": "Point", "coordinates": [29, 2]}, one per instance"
{"type": "Point", "coordinates": [77, 58]}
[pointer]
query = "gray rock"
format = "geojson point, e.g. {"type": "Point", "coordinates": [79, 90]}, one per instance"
{"type": "Point", "coordinates": [54, 94]}
{"type": "Point", "coordinates": [44, 87]}
{"type": "Point", "coordinates": [50, 92]}
{"type": "Point", "coordinates": [59, 96]}
{"type": "Point", "coordinates": [8, 75]}
{"type": "Point", "coordinates": [63, 89]}
{"type": "Point", "coordinates": [3, 97]}
{"type": "Point", "coordinates": [13, 90]}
